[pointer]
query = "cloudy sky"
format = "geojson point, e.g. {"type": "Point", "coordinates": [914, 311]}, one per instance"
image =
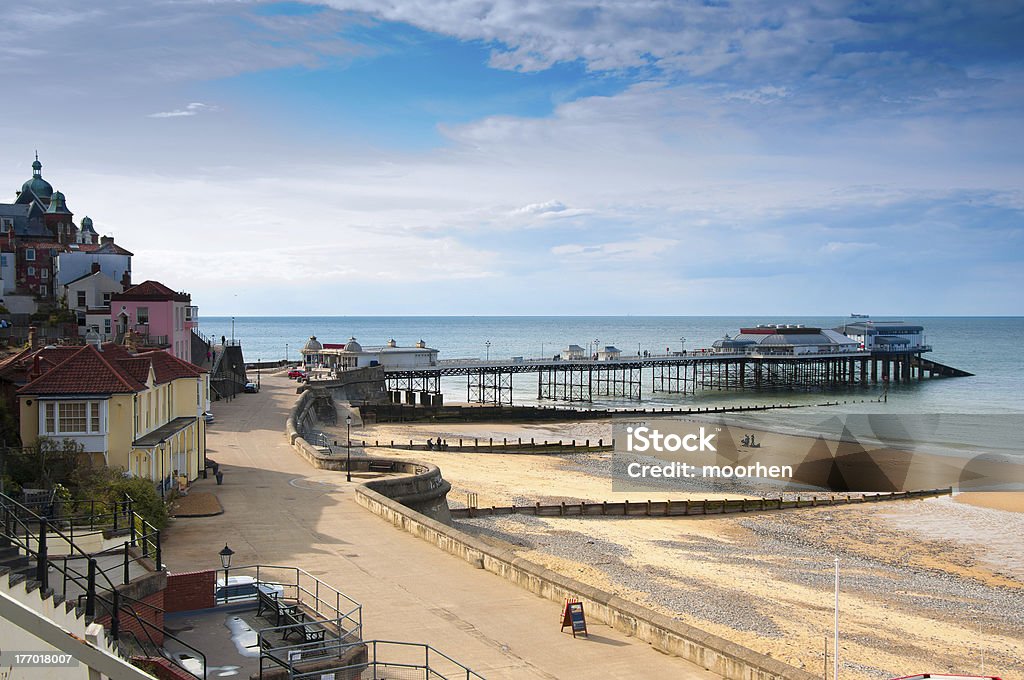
{"type": "Point", "coordinates": [536, 157]}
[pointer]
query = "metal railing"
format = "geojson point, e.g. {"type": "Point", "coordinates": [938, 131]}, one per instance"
{"type": "Point", "coordinates": [389, 658]}
{"type": "Point", "coordinates": [30, 533]}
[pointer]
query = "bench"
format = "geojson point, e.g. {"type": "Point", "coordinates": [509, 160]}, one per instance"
{"type": "Point", "coordinates": [269, 602]}
{"type": "Point", "coordinates": [381, 466]}
{"type": "Point", "coordinates": [310, 632]}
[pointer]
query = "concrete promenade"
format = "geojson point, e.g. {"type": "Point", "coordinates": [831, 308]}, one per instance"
{"type": "Point", "coordinates": [279, 510]}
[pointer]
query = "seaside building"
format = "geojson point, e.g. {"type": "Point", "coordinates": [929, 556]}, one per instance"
{"type": "Point", "coordinates": [151, 315]}
{"type": "Point", "coordinates": [340, 357]}
{"type": "Point", "coordinates": [42, 249]}
{"type": "Point", "coordinates": [574, 352]}
{"type": "Point", "coordinates": [786, 340]}
{"type": "Point", "coordinates": [887, 336]}
{"type": "Point", "coordinates": [609, 353]}
{"type": "Point", "coordinates": [139, 412]}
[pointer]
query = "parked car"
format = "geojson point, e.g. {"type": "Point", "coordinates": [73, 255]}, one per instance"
{"type": "Point", "coordinates": [243, 588]}
{"type": "Point", "coordinates": [207, 417]}
{"type": "Point", "coordinates": [252, 388]}
{"type": "Point", "coordinates": [296, 373]}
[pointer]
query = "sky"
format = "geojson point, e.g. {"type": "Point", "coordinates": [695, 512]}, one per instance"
{"type": "Point", "coordinates": [533, 157]}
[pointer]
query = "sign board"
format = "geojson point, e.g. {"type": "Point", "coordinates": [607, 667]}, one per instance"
{"type": "Point", "coordinates": [574, 618]}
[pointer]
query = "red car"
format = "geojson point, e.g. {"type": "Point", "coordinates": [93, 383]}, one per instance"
{"type": "Point", "coordinates": [296, 373]}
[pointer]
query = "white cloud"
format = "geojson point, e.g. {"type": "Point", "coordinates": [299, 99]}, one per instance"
{"type": "Point", "coordinates": [847, 248]}
{"type": "Point", "coordinates": [191, 109]}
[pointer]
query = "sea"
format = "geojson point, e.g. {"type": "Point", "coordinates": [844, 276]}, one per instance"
{"type": "Point", "coordinates": [983, 411]}
{"type": "Point", "coordinates": [992, 348]}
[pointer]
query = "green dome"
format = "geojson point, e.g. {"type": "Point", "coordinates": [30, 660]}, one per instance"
{"type": "Point", "coordinates": [39, 187]}
{"type": "Point", "coordinates": [87, 224]}
{"type": "Point", "coordinates": [57, 204]}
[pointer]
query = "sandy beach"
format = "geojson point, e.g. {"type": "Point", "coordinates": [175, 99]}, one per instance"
{"type": "Point", "coordinates": [926, 586]}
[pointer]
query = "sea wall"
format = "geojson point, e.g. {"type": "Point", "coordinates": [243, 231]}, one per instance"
{"type": "Point", "coordinates": [420, 486]}
{"type": "Point", "coordinates": [355, 384]}
{"type": "Point", "coordinates": [716, 654]}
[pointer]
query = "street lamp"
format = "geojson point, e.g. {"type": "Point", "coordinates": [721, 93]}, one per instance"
{"type": "Point", "coordinates": [348, 448]}
{"type": "Point", "coordinates": [232, 330]}
{"type": "Point", "coordinates": [225, 561]}
{"type": "Point", "coordinates": [488, 345]}
{"type": "Point", "coordinates": [595, 347]}
{"type": "Point", "coordinates": [682, 343]}
{"type": "Point", "coordinates": [286, 353]}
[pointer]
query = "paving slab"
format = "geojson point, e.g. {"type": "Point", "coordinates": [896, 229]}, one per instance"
{"type": "Point", "coordinates": [280, 510]}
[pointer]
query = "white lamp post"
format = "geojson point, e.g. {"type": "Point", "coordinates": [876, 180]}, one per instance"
{"type": "Point", "coordinates": [348, 448]}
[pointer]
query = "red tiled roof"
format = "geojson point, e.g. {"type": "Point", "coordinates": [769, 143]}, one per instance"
{"type": "Point", "coordinates": [151, 290]}
{"type": "Point", "coordinates": [86, 371]}
{"type": "Point", "coordinates": [136, 367]}
{"type": "Point", "coordinates": [169, 367]}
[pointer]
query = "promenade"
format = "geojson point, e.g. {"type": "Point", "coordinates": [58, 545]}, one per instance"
{"type": "Point", "coordinates": [279, 510]}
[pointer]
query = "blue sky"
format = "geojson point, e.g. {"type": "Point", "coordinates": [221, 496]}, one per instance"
{"type": "Point", "coordinates": [533, 157]}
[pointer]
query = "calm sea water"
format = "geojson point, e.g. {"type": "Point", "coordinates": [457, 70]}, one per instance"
{"type": "Point", "coordinates": [989, 347]}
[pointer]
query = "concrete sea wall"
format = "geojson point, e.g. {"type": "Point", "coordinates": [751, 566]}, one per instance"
{"type": "Point", "coordinates": [714, 653]}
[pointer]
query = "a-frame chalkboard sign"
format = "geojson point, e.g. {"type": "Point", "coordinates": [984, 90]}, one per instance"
{"type": "Point", "coordinates": [573, 617]}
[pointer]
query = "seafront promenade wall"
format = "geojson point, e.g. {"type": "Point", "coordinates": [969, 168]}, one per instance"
{"type": "Point", "coordinates": [419, 487]}
{"type": "Point", "coordinates": [714, 653]}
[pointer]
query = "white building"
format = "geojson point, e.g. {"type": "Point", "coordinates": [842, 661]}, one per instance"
{"type": "Point", "coordinates": [609, 353]}
{"type": "Point", "coordinates": [574, 352]}
{"type": "Point", "coordinates": [89, 297]}
{"type": "Point", "coordinates": [113, 260]}
{"type": "Point", "coordinates": [317, 355]}
{"type": "Point", "coordinates": [886, 336]}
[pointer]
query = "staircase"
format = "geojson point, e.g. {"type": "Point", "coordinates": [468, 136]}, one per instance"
{"type": "Point", "coordinates": [86, 593]}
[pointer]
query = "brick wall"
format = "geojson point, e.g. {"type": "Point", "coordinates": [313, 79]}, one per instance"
{"type": "Point", "coordinates": [189, 590]}
{"type": "Point", "coordinates": [152, 614]}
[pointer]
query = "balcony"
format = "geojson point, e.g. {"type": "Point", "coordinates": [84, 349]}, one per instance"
{"type": "Point", "coordinates": [142, 333]}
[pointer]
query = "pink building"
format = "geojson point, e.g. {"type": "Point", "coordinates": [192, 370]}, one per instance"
{"type": "Point", "coordinates": [152, 315]}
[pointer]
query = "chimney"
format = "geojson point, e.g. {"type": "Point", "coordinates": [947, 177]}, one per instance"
{"type": "Point", "coordinates": [95, 267]}
{"type": "Point", "coordinates": [104, 240]}
{"type": "Point", "coordinates": [32, 337]}
{"type": "Point", "coordinates": [126, 279]}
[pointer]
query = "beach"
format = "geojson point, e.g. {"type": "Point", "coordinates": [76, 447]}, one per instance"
{"type": "Point", "coordinates": [925, 586]}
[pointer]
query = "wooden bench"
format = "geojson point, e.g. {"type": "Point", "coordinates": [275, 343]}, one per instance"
{"type": "Point", "coordinates": [269, 602]}
{"type": "Point", "coordinates": [381, 466]}
{"type": "Point", "coordinates": [310, 631]}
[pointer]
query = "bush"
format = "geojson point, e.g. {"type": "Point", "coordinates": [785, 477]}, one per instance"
{"type": "Point", "coordinates": [147, 501]}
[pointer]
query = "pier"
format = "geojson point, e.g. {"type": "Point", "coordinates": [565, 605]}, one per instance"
{"type": "Point", "coordinates": [776, 357]}
{"type": "Point", "coordinates": [581, 380]}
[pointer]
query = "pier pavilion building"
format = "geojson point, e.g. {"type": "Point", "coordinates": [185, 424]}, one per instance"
{"type": "Point", "coordinates": [786, 340]}
{"type": "Point", "coordinates": [351, 354]}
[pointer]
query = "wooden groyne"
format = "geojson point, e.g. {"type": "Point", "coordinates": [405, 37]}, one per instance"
{"type": "Point", "coordinates": [490, 445]}
{"type": "Point", "coordinates": [392, 412]}
{"type": "Point", "coordinates": [689, 508]}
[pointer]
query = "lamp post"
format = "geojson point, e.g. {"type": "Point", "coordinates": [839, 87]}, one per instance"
{"type": "Point", "coordinates": [286, 353]}
{"type": "Point", "coordinates": [232, 330]}
{"type": "Point", "coordinates": [348, 448]}
{"type": "Point", "coordinates": [682, 344]}
{"type": "Point", "coordinates": [225, 561]}
{"type": "Point", "coordinates": [595, 347]}
{"type": "Point", "coordinates": [488, 345]}
{"type": "Point", "coordinates": [259, 362]}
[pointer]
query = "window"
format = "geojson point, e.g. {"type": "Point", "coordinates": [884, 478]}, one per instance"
{"type": "Point", "coordinates": [142, 314]}
{"type": "Point", "coordinates": [72, 417]}
{"type": "Point", "coordinates": [6, 225]}
{"type": "Point", "coordinates": [42, 291]}
{"type": "Point", "coordinates": [31, 271]}
{"type": "Point", "coordinates": [30, 254]}
{"type": "Point", "coordinates": [81, 298]}
{"type": "Point", "coordinates": [44, 273]}
{"type": "Point", "coordinates": [106, 299]}
{"type": "Point", "coordinates": [106, 326]}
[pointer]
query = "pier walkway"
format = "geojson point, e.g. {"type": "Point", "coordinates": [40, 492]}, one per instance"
{"type": "Point", "coordinates": [583, 379]}
{"type": "Point", "coordinates": [278, 510]}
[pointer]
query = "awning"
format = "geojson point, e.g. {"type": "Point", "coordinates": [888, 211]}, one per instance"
{"type": "Point", "coordinates": [164, 432]}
